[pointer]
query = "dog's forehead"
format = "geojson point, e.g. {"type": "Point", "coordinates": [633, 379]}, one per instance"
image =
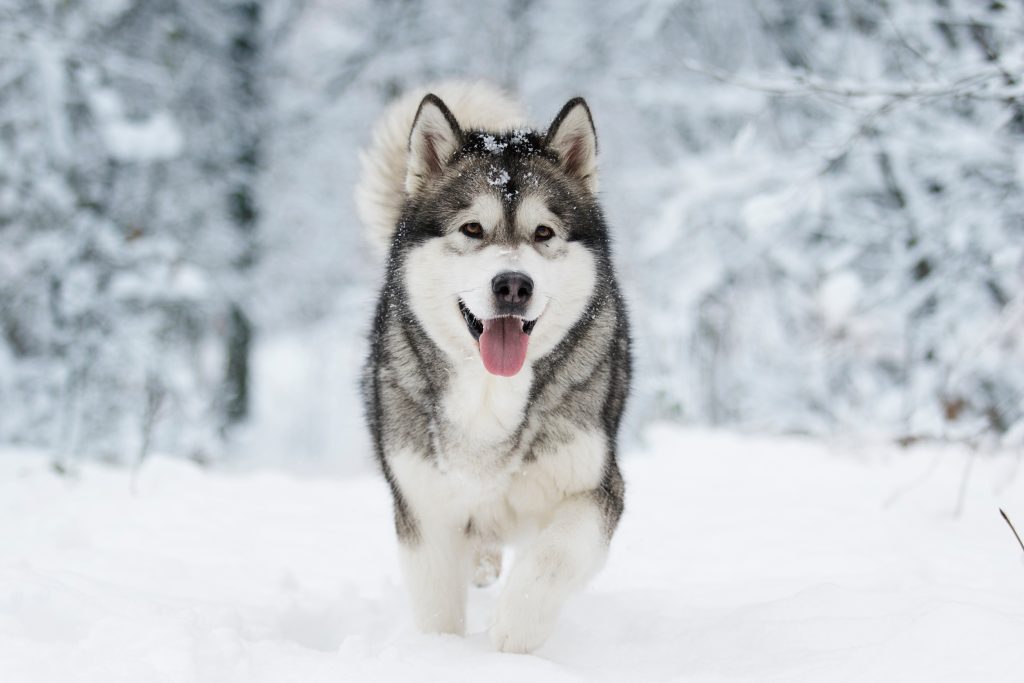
{"type": "Point", "coordinates": [506, 163]}
{"type": "Point", "coordinates": [509, 182]}
{"type": "Point", "coordinates": [520, 143]}
{"type": "Point", "coordinates": [513, 171]}
{"type": "Point", "coordinates": [508, 193]}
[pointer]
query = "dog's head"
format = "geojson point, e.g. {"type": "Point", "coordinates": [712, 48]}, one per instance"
{"type": "Point", "coordinates": [502, 234]}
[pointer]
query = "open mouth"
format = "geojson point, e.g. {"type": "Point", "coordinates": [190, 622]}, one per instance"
{"type": "Point", "coordinates": [503, 341]}
{"type": "Point", "coordinates": [476, 327]}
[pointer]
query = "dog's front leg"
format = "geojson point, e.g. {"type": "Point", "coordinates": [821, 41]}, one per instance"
{"type": "Point", "coordinates": [565, 554]}
{"type": "Point", "coordinates": [435, 565]}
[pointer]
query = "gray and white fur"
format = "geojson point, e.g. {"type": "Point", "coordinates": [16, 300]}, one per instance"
{"type": "Point", "coordinates": [500, 355]}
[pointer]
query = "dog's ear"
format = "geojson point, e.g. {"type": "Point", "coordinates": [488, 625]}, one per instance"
{"type": "Point", "coordinates": [434, 138]}
{"type": "Point", "coordinates": [573, 138]}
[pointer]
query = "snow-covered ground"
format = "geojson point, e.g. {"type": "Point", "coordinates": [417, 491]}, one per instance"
{"type": "Point", "coordinates": [739, 558]}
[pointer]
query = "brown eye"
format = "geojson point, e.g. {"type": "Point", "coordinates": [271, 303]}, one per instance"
{"type": "Point", "coordinates": [543, 233]}
{"type": "Point", "coordinates": [474, 230]}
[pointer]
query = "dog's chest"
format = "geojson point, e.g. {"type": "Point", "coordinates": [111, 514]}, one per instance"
{"type": "Point", "coordinates": [479, 474]}
{"type": "Point", "coordinates": [482, 411]}
{"type": "Point", "coordinates": [476, 429]}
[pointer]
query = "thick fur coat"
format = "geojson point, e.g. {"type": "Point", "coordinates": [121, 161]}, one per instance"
{"type": "Point", "coordinates": [500, 354]}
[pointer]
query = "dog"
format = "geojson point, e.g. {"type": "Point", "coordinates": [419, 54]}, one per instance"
{"type": "Point", "coordinates": [499, 361]}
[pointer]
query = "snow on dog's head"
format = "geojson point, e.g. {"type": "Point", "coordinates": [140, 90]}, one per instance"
{"type": "Point", "coordinates": [501, 234]}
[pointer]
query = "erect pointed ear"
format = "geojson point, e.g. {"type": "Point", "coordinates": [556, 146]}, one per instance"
{"type": "Point", "coordinates": [434, 138]}
{"type": "Point", "coordinates": [573, 138]}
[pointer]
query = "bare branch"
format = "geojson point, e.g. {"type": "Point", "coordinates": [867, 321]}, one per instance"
{"type": "Point", "coordinates": [975, 84]}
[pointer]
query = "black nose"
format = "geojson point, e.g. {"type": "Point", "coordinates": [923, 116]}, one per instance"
{"type": "Point", "coordinates": [512, 288]}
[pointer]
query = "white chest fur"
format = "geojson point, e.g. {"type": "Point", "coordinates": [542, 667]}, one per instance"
{"type": "Point", "coordinates": [484, 410]}
{"type": "Point", "coordinates": [476, 476]}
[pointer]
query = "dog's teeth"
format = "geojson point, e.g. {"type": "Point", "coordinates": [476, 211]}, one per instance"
{"type": "Point", "coordinates": [476, 328]}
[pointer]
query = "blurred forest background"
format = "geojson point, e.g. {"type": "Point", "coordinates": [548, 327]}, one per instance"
{"type": "Point", "coordinates": [817, 205]}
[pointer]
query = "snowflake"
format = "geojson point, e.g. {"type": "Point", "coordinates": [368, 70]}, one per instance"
{"type": "Point", "coordinates": [498, 177]}
{"type": "Point", "coordinates": [492, 145]}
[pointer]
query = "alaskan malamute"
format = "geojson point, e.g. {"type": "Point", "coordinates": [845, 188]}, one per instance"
{"type": "Point", "coordinates": [500, 354]}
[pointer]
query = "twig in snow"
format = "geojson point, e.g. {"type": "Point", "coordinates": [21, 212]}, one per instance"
{"type": "Point", "coordinates": [961, 498]}
{"type": "Point", "coordinates": [1012, 528]}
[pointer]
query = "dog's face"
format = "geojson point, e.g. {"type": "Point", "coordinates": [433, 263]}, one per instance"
{"type": "Point", "coordinates": [505, 235]}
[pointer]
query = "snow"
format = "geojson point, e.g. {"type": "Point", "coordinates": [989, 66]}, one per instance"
{"type": "Point", "coordinates": [498, 177]}
{"type": "Point", "coordinates": [838, 297]}
{"type": "Point", "coordinates": [739, 558]}
{"type": "Point", "coordinates": [492, 145]}
{"type": "Point", "coordinates": [156, 138]}
{"type": "Point", "coordinates": [306, 403]}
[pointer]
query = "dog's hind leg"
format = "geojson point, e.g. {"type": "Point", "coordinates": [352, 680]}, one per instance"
{"type": "Point", "coordinates": [486, 563]}
{"type": "Point", "coordinates": [435, 567]}
{"type": "Point", "coordinates": [565, 554]}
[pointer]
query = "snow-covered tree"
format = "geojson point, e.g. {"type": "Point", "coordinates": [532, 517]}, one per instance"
{"type": "Point", "coordinates": [126, 137]}
{"type": "Point", "coordinates": [817, 205]}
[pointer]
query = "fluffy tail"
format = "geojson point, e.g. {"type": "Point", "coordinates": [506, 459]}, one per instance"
{"type": "Point", "coordinates": [380, 191]}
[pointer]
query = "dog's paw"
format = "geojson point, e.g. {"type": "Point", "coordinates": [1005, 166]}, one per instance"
{"type": "Point", "coordinates": [487, 566]}
{"type": "Point", "coordinates": [520, 628]}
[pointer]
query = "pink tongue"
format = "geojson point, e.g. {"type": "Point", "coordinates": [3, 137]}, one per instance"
{"type": "Point", "coordinates": [503, 346]}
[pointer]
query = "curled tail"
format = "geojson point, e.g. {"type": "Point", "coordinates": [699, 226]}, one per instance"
{"type": "Point", "coordinates": [380, 191]}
